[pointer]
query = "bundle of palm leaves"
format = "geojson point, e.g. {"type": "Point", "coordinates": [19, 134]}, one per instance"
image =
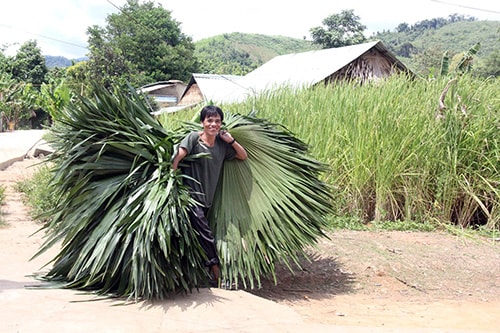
{"type": "Point", "coordinates": [121, 221]}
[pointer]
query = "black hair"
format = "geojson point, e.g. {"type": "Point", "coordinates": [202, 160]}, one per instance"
{"type": "Point", "coordinates": [210, 111]}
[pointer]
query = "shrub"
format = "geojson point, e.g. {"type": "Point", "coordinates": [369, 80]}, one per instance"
{"type": "Point", "coordinates": [38, 195]}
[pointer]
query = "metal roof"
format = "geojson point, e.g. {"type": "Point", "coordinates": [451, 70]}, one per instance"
{"type": "Point", "coordinates": [298, 70]}
{"type": "Point", "coordinates": [155, 87]}
{"type": "Point", "coordinates": [218, 87]}
{"type": "Point", "coordinates": [295, 70]}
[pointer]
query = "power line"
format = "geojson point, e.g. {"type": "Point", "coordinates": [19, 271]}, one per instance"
{"type": "Point", "coordinates": [43, 36]}
{"type": "Point", "coordinates": [468, 7]}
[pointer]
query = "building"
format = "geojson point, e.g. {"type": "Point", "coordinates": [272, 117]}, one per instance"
{"type": "Point", "coordinates": [359, 63]}
{"type": "Point", "coordinates": [164, 93]}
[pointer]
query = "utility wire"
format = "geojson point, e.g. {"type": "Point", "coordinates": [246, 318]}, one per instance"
{"type": "Point", "coordinates": [43, 36]}
{"type": "Point", "coordinates": [468, 7]}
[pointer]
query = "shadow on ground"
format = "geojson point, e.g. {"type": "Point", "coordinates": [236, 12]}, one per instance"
{"type": "Point", "coordinates": [317, 278]}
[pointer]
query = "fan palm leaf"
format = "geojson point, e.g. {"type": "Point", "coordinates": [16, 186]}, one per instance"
{"type": "Point", "coordinates": [122, 219]}
{"type": "Point", "coordinates": [281, 206]}
{"type": "Point", "coordinates": [268, 208]}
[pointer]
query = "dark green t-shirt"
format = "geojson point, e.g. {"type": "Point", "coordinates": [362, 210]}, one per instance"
{"type": "Point", "coordinates": [206, 170]}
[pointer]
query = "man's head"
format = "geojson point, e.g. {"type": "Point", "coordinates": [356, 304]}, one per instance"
{"type": "Point", "coordinates": [210, 111]}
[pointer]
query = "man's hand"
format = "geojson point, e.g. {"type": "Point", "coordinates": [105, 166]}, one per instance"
{"type": "Point", "coordinates": [241, 153]}
{"type": "Point", "coordinates": [226, 136]}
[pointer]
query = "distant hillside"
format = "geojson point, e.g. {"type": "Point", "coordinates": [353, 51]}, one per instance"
{"type": "Point", "coordinates": [455, 37]}
{"type": "Point", "coordinates": [239, 53]}
{"type": "Point", "coordinates": [60, 62]}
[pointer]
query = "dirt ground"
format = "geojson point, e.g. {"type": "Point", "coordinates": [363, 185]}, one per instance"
{"type": "Point", "coordinates": [374, 279]}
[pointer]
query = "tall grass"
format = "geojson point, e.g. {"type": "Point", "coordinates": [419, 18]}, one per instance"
{"type": "Point", "coordinates": [390, 157]}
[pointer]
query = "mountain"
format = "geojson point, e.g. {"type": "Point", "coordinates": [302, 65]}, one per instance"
{"type": "Point", "coordinates": [239, 53]}
{"type": "Point", "coordinates": [61, 62]}
{"type": "Point", "coordinates": [419, 46]}
{"type": "Point", "coordinates": [454, 36]}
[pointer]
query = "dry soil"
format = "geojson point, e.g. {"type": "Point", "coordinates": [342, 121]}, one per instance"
{"type": "Point", "coordinates": [372, 279]}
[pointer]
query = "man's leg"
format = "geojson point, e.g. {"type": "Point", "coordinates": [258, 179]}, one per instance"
{"type": "Point", "coordinates": [206, 239]}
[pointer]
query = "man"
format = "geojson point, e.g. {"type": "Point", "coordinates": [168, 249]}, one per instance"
{"type": "Point", "coordinates": [205, 172]}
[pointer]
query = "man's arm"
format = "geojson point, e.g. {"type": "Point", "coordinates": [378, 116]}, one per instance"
{"type": "Point", "coordinates": [181, 153]}
{"type": "Point", "coordinates": [241, 153]}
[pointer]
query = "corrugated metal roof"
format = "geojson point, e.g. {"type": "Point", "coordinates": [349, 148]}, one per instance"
{"type": "Point", "coordinates": [219, 88]}
{"type": "Point", "coordinates": [295, 70]}
{"type": "Point", "coordinates": [304, 69]}
{"type": "Point", "coordinates": [154, 87]}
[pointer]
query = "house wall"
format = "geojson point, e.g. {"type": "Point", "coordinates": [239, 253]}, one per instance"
{"type": "Point", "coordinates": [372, 65]}
{"type": "Point", "coordinates": [192, 96]}
{"type": "Point", "coordinates": [169, 95]}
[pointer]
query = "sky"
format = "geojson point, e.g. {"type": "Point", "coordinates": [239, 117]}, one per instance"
{"type": "Point", "coordinates": [59, 26]}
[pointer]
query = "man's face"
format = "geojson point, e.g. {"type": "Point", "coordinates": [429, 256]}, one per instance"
{"type": "Point", "coordinates": [212, 124]}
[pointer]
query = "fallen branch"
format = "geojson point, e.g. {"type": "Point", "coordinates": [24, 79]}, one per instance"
{"type": "Point", "coordinates": [409, 285]}
{"type": "Point", "coordinates": [442, 106]}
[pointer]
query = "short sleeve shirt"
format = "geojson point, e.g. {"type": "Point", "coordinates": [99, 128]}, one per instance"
{"type": "Point", "coordinates": [205, 170]}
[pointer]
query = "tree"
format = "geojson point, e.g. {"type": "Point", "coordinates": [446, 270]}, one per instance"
{"type": "Point", "coordinates": [341, 30]}
{"type": "Point", "coordinates": [4, 62]}
{"type": "Point", "coordinates": [220, 56]}
{"type": "Point", "coordinates": [403, 27]}
{"type": "Point", "coordinates": [490, 66]}
{"type": "Point", "coordinates": [140, 45]}
{"type": "Point", "coordinates": [17, 101]}
{"type": "Point", "coordinates": [428, 62]}
{"type": "Point", "coordinates": [28, 65]}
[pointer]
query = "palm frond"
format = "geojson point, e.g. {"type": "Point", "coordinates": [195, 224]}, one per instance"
{"type": "Point", "coordinates": [122, 217]}
{"type": "Point", "coordinates": [122, 220]}
{"type": "Point", "coordinates": [269, 207]}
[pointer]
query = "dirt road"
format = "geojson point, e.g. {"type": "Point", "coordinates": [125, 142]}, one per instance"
{"type": "Point", "coordinates": [356, 282]}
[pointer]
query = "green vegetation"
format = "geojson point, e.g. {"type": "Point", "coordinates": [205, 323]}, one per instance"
{"type": "Point", "coordinates": [400, 154]}
{"type": "Point", "coordinates": [121, 211]}
{"type": "Point", "coordinates": [20, 78]}
{"type": "Point", "coordinates": [339, 30]}
{"type": "Point", "coordinates": [393, 154]}
{"type": "Point", "coordinates": [2, 202]}
{"type": "Point", "coordinates": [422, 45]}
{"type": "Point", "coordinates": [238, 53]}
{"type": "Point", "coordinates": [139, 45]}
{"type": "Point", "coordinates": [38, 194]}
{"type": "Point", "coordinates": [2, 195]}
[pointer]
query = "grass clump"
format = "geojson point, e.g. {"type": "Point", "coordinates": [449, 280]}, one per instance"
{"type": "Point", "coordinates": [38, 194]}
{"type": "Point", "coordinates": [2, 202]}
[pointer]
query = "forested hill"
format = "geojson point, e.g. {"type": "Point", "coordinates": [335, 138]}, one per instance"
{"type": "Point", "coordinates": [454, 37]}
{"type": "Point", "coordinates": [239, 53]}
{"type": "Point", "coordinates": [419, 46]}
{"type": "Point", "coordinates": [61, 62]}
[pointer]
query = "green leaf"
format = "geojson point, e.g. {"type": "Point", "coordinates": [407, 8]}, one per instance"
{"type": "Point", "coordinates": [122, 218]}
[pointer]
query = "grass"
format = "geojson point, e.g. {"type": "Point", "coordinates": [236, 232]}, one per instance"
{"type": "Point", "coordinates": [392, 163]}
{"type": "Point", "coordinates": [391, 158]}
{"type": "Point", "coordinates": [37, 193]}
{"type": "Point", "coordinates": [2, 202]}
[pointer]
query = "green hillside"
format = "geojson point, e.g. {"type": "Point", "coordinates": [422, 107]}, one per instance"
{"type": "Point", "coordinates": [455, 37]}
{"type": "Point", "coordinates": [420, 46]}
{"type": "Point", "coordinates": [239, 53]}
